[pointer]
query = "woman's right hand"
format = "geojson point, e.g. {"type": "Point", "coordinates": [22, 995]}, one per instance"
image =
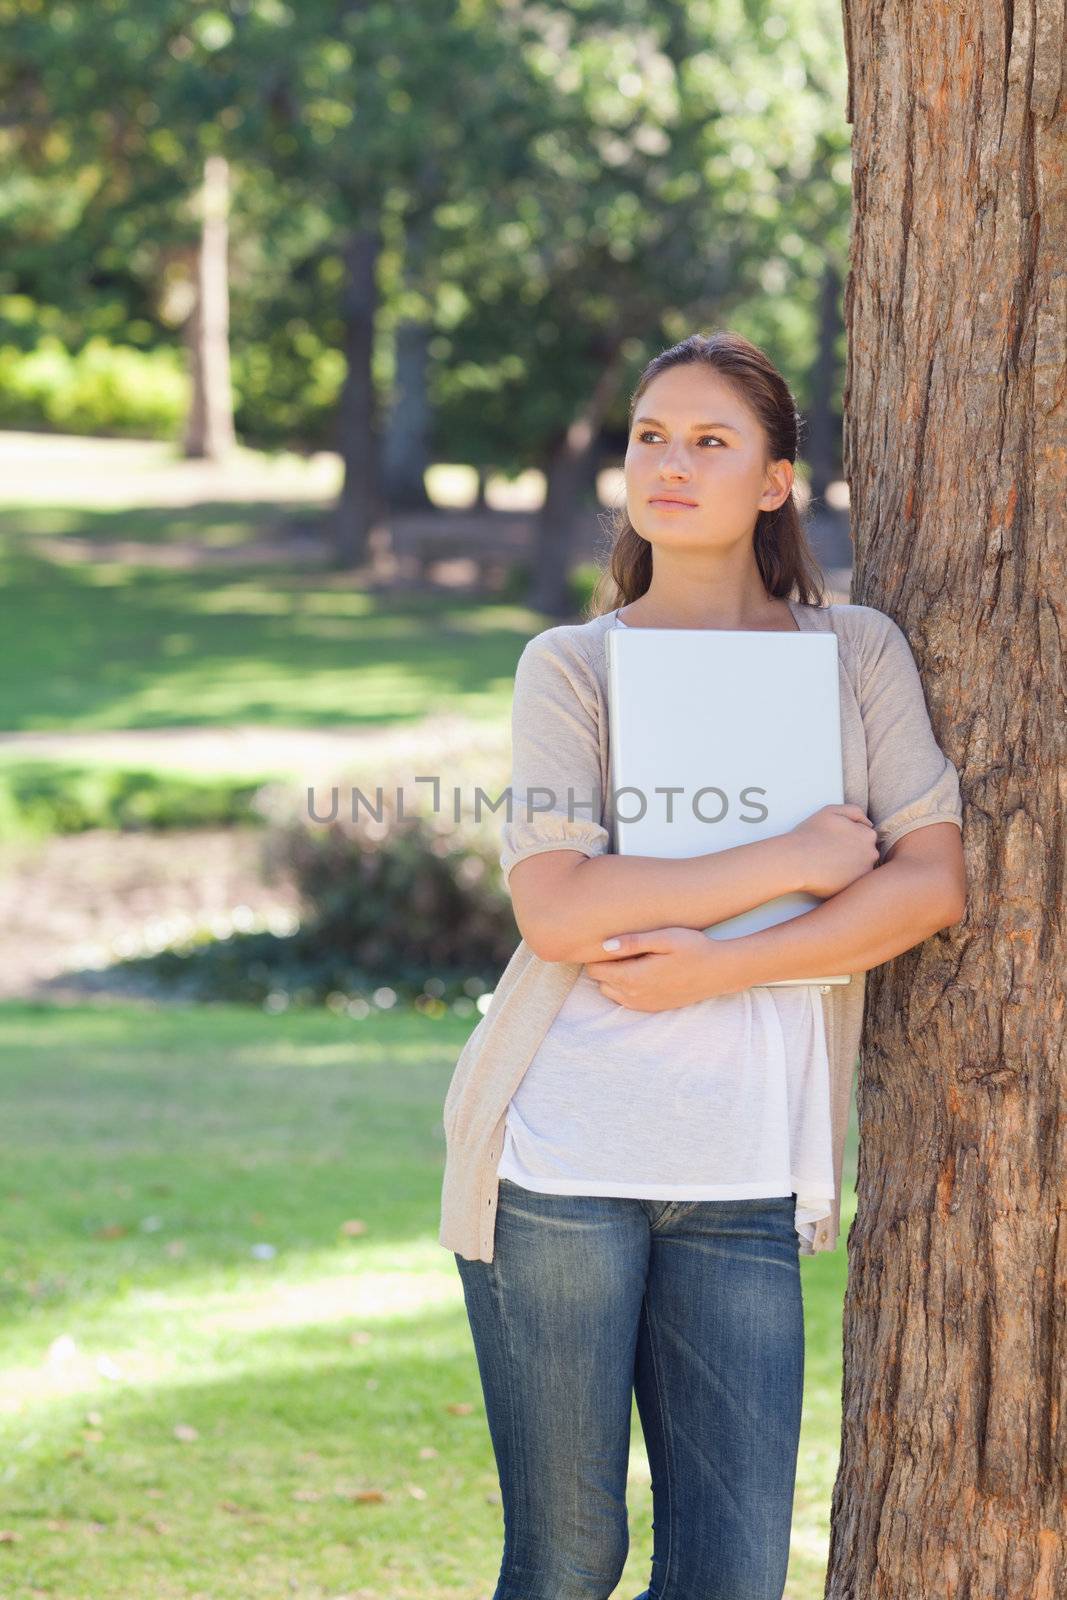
{"type": "Point", "coordinates": [835, 846]}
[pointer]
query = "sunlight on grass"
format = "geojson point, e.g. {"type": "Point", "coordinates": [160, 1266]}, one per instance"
{"type": "Point", "coordinates": [234, 1357]}
{"type": "Point", "coordinates": [151, 1338]}
{"type": "Point", "coordinates": [172, 649]}
{"type": "Point", "coordinates": [259, 691]}
{"type": "Point", "coordinates": [250, 600]}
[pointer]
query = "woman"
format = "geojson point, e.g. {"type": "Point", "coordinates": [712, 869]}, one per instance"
{"type": "Point", "coordinates": [659, 1135]}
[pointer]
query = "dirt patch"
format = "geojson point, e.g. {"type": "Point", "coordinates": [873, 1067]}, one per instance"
{"type": "Point", "coordinates": [73, 904]}
{"type": "Point", "coordinates": [306, 755]}
{"type": "Point", "coordinates": [182, 554]}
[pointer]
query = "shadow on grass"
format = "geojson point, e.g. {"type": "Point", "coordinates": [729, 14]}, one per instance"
{"type": "Point", "coordinates": [114, 646]}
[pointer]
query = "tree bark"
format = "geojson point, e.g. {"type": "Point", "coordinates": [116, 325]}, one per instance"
{"type": "Point", "coordinates": [359, 506]}
{"type": "Point", "coordinates": [209, 426]}
{"type": "Point", "coordinates": [953, 1468]}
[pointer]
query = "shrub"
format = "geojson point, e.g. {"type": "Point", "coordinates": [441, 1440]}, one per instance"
{"type": "Point", "coordinates": [101, 388]}
{"type": "Point", "coordinates": [42, 797]}
{"type": "Point", "coordinates": [398, 895]}
{"type": "Point", "coordinates": [398, 904]}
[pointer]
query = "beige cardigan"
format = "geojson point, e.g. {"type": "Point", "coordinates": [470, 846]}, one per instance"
{"type": "Point", "coordinates": [893, 768]}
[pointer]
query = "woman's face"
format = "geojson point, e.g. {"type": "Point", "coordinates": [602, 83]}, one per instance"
{"type": "Point", "coordinates": [693, 439]}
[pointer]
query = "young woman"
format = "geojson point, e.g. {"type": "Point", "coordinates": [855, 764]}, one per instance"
{"type": "Point", "coordinates": [658, 1134]}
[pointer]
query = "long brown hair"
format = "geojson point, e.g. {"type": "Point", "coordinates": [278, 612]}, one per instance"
{"type": "Point", "coordinates": [783, 554]}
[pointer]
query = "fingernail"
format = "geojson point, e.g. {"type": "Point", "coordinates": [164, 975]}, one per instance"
{"type": "Point", "coordinates": [611, 944]}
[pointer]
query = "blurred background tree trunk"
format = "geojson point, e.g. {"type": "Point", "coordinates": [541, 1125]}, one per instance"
{"type": "Point", "coordinates": [823, 450]}
{"type": "Point", "coordinates": [359, 507]}
{"type": "Point", "coordinates": [209, 426]}
{"type": "Point", "coordinates": [954, 1431]}
{"type": "Point", "coordinates": [567, 474]}
{"type": "Point", "coordinates": [406, 453]}
{"type": "Point", "coordinates": [405, 448]}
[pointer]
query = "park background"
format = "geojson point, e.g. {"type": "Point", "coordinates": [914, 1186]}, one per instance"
{"type": "Point", "coordinates": [317, 329]}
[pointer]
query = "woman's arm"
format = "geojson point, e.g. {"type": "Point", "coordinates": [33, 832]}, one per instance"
{"type": "Point", "coordinates": [915, 805]}
{"type": "Point", "coordinates": [911, 896]}
{"type": "Point", "coordinates": [919, 890]}
{"type": "Point", "coordinates": [567, 891]}
{"type": "Point", "coordinates": [566, 904]}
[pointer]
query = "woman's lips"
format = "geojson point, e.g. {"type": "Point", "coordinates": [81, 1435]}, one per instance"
{"type": "Point", "coordinates": [672, 505]}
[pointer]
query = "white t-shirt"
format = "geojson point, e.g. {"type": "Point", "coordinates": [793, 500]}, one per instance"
{"type": "Point", "coordinates": [727, 1098]}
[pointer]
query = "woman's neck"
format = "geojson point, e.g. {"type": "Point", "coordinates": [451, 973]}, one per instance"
{"type": "Point", "coordinates": [775, 616]}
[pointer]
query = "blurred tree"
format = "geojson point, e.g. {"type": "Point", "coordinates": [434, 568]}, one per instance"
{"type": "Point", "coordinates": [474, 220]}
{"type": "Point", "coordinates": [671, 203]}
{"type": "Point", "coordinates": [209, 427]}
{"type": "Point", "coordinates": [408, 430]}
{"type": "Point", "coordinates": [120, 109]}
{"type": "Point", "coordinates": [390, 115]}
{"type": "Point", "coordinates": [823, 445]}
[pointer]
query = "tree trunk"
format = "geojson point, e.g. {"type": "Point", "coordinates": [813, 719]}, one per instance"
{"type": "Point", "coordinates": [406, 454]}
{"type": "Point", "coordinates": [824, 433]}
{"type": "Point", "coordinates": [566, 475]}
{"type": "Point", "coordinates": [209, 425]}
{"type": "Point", "coordinates": [951, 1482]}
{"type": "Point", "coordinates": [359, 507]}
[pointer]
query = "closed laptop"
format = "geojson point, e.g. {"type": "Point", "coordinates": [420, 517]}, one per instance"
{"type": "Point", "coordinates": [720, 737]}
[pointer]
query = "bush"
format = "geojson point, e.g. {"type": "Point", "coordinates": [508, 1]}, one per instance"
{"type": "Point", "coordinates": [399, 894]}
{"type": "Point", "coordinates": [38, 798]}
{"type": "Point", "coordinates": [102, 388]}
{"type": "Point", "coordinates": [399, 904]}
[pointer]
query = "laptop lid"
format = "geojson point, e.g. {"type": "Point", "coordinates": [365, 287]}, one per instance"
{"type": "Point", "coordinates": [743, 727]}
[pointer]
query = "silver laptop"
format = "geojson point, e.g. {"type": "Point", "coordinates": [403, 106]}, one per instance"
{"type": "Point", "coordinates": [744, 725]}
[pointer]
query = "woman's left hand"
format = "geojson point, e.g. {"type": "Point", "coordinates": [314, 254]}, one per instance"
{"type": "Point", "coordinates": [664, 969]}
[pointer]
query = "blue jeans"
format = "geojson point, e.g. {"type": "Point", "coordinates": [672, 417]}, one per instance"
{"type": "Point", "coordinates": [693, 1305]}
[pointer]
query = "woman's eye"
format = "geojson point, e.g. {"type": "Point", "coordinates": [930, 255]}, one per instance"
{"type": "Point", "coordinates": [650, 432]}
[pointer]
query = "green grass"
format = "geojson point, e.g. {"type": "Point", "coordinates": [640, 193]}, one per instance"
{"type": "Point", "coordinates": [113, 646]}
{"type": "Point", "coordinates": [39, 798]}
{"type": "Point", "coordinates": [146, 1153]}
{"type": "Point", "coordinates": [219, 524]}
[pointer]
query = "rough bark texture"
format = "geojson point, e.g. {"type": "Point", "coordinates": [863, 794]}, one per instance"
{"type": "Point", "coordinates": [953, 1465]}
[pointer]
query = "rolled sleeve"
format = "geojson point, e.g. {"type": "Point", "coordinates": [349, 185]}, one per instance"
{"type": "Point", "coordinates": [911, 782]}
{"type": "Point", "coordinates": [556, 795]}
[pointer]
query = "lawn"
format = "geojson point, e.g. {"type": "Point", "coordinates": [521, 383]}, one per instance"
{"type": "Point", "coordinates": [234, 1360]}
{"type": "Point", "coordinates": [110, 645]}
